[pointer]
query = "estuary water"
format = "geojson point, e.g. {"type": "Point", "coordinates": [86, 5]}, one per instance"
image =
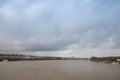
{"type": "Point", "coordinates": [58, 70]}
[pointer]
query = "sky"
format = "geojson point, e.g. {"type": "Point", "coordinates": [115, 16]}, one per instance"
{"type": "Point", "coordinates": [80, 28]}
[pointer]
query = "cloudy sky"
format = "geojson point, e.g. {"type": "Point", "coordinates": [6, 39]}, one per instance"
{"type": "Point", "coordinates": [81, 28]}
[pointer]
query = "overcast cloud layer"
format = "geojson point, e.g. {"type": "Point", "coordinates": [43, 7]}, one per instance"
{"type": "Point", "coordinates": [81, 28]}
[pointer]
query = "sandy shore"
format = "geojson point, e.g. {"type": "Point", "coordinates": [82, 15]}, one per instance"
{"type": "Point", "coordinates": [58, 70]}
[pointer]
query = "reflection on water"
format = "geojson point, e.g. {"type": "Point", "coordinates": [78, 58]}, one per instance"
{"type": "Point", "coordinates": [59, 70]}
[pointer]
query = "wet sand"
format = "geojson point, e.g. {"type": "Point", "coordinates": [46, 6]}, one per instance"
{"type": "Point", "coordinates": [58, 70]}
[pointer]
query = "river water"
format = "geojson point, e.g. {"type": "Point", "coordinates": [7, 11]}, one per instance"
{"type": "Point", "coordinates": [58, 70]}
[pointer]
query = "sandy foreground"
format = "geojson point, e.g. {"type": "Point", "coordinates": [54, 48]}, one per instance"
{"type": "Point", "coordinates": [58, 70]}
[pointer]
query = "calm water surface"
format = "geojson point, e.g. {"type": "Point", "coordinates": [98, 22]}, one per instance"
{"type": "Point", "coordinates": [58, 70]}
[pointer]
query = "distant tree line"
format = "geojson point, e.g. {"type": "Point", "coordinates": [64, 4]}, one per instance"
{"type": "Point", "coordinates": [105, 59]}
{"type": "Point", "coordinates": [15, 57]}
{"type": "Point", "coordinates": [1, 54]}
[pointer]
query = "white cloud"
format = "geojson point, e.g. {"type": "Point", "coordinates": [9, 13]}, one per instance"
{"type": "Point", "coordinates": [8, 12]}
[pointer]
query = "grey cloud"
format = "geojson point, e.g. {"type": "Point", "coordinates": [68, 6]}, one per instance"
{"type": "Point", "coordinates": [48, 44]}
{"type": "Point", "coordinates": [59, 25]}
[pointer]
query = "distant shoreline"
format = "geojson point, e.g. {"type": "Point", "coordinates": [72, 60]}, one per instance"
{"type": "Point", "coordinates": [20, 57]}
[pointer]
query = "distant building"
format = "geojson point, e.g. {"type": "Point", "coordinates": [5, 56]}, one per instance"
{"type": "Point", "coordinates": [118, 60]}
{"type": "Point", "coordinates": [5, 60]}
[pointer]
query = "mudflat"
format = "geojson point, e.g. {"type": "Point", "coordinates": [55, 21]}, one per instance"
{"type": "Point", "coordinates": [58, 70]}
